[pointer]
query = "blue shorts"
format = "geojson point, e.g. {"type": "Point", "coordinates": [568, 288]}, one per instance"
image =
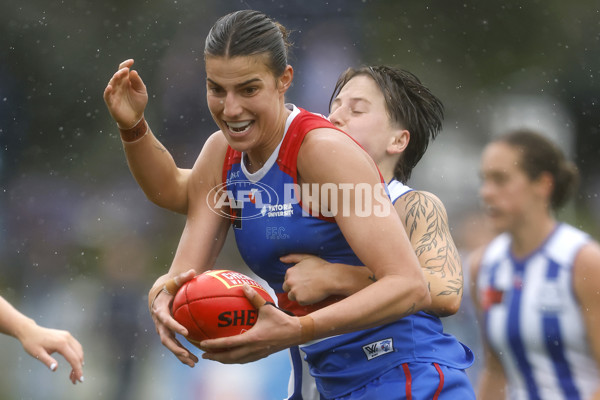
{"type": "Point", "coordinates": [410, 381]}
{"type": "Point", "coordinates": [417, 381]}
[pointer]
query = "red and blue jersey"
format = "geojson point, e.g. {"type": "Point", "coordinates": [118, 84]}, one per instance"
{"type": "Point", "coordinates": [269, 222]}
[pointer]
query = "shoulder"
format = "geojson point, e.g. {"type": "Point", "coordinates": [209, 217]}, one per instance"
{"type": "Point", "coordinates": [586, 268]}
{"type": "Point", "coordinates": [215, 145]}
{"type": "Point", "coordinates": [415, 203]}
{"type": "Point", "coordinates": [216, 141]}
{"type": "Point", "coordinates": [565, 244]}
{"type": "Point", "coordinates": [327, 152]}
{"type": "Point", "coordinates": [326, 139]}
{"type": "Point", "coordinates": [428, 199]}
{"type": "Point", "coordinates": [209, 164]}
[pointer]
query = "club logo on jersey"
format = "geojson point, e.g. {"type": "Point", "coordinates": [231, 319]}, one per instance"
{"type": "Point", "coordinates": [550, 298]}
{"type": "Point", "coordinates": [376, 349]}
{"type": "Point", "coordinates": [491, 296]}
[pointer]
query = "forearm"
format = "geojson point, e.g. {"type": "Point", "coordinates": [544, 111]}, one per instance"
{"type": "Point", "coordinates": [445, 289]}
{"type": "Point", "coordinates": [386, 300]}
{"type": "Point", "coordinates": [12, 322]}
{"type": "Point", "coordinates": [157, 174]}
{"type": "Point", "coordinates": [345, 280]}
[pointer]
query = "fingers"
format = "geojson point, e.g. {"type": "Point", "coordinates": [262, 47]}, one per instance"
{"type": "Point", "coordinates": [185, 356]}
{"type": "Point", "coordinates": [256, 300]}
{"type": "Point", "coordinates": [173, 284]}
{"type": "Point", "coordinates": [168, 339]}
{"type": "Point", "coordinates": [293, 258]}
{"type": "Point", "coordinates": [291, 296]}
{"type": "Point", "coordinates": [126, 64]}
{"type": "Point", "coordinates": [136, 82]}
{"type": "Point", "coordinates": [166, 327]}
{"type": "Point", "coordinates": [286, 287]}
{"type": "Point", "coordinates": [165, 318]}
{"type": "Point", "coordinates": [48, 360]}
{"type": "Point", "coordinates": [116, 84]}
{"type": "Point", "coordinates": [66, 345]}
{"type": "Point", "coordinates": [73, 353]}
{"type": "Point", "coordinates": [186, 276]}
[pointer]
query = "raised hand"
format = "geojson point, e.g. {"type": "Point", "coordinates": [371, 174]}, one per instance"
{"type": "Point", "coordinates": [126, 96]}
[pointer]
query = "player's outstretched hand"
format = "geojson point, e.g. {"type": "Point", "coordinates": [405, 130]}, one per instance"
{"type": "Point", "coordinates": [274, 331]}
{"type": "Point", "coordinates": [161, 297]}
{"type": "Point", "coordinates": [41, 342]}
{"type": "Point", "coordinates": [126, 96]}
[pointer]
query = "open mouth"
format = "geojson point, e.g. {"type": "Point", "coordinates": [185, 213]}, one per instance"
{"type": "Point", "coordinates": [239, 127]}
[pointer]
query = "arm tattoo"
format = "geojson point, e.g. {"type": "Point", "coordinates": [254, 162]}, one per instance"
{"type": "Point", "coordinates": [160, 148]}
{"type": "Point", "coordinates": [410, 311]}
{"type": "Point", "coordinates": [422, 210]}
{"type": "Point", "coordinates": [158, 145]}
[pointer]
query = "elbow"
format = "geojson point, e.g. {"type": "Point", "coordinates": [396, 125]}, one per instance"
{"type": "Point", "coordinates": [170, 203]}
{"type": "Point", "coordinates": [448, 308]}
{"type": "Point", "coordinates": [453, 307]}
{"type": "Point", "coordinates": [422, 297]}
{"type": "Point", "coordinates": [155, 198]}
{"type": "Point", "coordinates": [442, 305]}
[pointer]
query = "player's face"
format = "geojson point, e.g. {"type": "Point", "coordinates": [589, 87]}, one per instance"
{"type": "Point", "coordinates": [246, 101]}
{"type": "Point", "coordinates": [507, 192]}
{"type": "Point", "coordinates": [359, 110]}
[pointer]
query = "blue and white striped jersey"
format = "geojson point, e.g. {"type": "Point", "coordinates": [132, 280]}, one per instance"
{"type": "Point", "coordinates": [532, 318]}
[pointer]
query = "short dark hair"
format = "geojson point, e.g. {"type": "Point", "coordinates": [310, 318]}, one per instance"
{"type": "Point", "coordinates": [409, 104]}
{"type": "Point", "coordinates": [249, 32]}
{"type": "Point", "coordinates": [539, 154]}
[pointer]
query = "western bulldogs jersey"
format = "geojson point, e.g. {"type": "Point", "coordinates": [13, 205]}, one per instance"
{"type": "Point", "coordinates": [269, 222]}
{"type": "Point", "coordinates": [397, 189]}
{"type": "Point", "coordinates": [532, 318]}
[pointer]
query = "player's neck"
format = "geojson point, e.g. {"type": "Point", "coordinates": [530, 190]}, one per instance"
{"type": "Point", "coordinates": [387, 171]}
{"type": "Point", "coordinates": [531, 235]}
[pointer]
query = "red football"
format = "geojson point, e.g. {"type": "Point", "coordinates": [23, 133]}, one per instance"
{"type": "Point", "coordinates": [213, 305]}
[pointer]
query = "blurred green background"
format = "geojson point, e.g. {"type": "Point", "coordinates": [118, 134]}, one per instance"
{"type": "Point", "coordinates": [79, 243]}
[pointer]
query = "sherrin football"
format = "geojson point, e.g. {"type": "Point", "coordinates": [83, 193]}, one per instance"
{"type": "Point", "coordinates": [213, 305]}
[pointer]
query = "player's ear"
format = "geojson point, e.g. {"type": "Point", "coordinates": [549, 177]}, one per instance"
{"type": "Point", "coordinates": [285, 80]}
{"type": "Point", "coordinates": [398, 141]}
{"type": "Point", "coordinates": [544, 185]}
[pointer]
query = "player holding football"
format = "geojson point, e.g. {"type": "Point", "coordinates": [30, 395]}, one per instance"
{"type": "Point", "coordinates": [280, 144]}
